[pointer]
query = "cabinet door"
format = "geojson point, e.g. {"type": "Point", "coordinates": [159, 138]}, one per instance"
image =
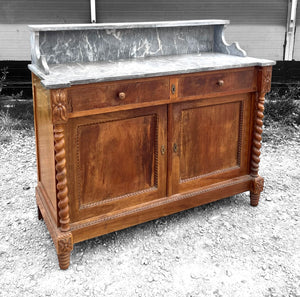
{"type": "Point", "coordinates": [117, 160]}
{"type": "Point", "coordinates": [210, 142]}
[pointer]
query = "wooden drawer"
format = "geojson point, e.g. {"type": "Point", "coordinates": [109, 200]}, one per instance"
{"type": "Point", "coordinates": [110, 94]}
{"type": "Point", "coordinates": [218, 82]}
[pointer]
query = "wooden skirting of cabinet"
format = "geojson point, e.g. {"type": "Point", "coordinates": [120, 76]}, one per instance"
{"type": "Point", "coordinates": [116, 154]}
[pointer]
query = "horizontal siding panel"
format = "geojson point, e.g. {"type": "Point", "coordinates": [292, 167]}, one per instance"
{"type": "Point", "coordinates": [253, 11]}
{"type": "Point", "coordinates": [78, 11]}
{"type": "Point", "coordinates": [258, 41]}
{"type": "Point", "coordinates": [44, 12]}
{"type": "Point", "coordinates": [14, 42]}
{"type": "Point", "coordinates": [259, 26]}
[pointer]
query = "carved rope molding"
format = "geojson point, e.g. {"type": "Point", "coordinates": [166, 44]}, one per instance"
{"type": "Point", "coordinates": [59, 119]}
{"type": "Point", "coordinates": [264, 86]}
{"type": "Point", "coordinates": [258, 123]}
{"type": "Point", "coordinates": [61, 177]}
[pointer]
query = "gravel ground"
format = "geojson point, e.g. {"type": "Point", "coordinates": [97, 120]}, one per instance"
{"type": "Point", "coordinates": [225, 248]}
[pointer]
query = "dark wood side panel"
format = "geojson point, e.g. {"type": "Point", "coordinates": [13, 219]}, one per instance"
{"type": "Point", "coordinates": [45, 145]}
{"type": "Point", "coordinates": [116, 160]}
{"type": "Point", "coordinates": [107, 94]}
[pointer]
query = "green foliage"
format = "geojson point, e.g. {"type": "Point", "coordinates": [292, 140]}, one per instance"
{"type": "Point", "coordinates": [283, 105]}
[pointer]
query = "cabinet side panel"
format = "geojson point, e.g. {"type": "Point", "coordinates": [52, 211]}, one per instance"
{"type": "Point", "coordinates": [45, 145]}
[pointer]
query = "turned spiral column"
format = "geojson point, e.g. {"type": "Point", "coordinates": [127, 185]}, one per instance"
{"type": "Point", "coordinates": [264, 84]}
{"type": "Point", "coordinates": [61, 177]}
{"type": "Point", "coordinates": [64, 238]}
{"type": "Point", "coordinates": [59, 117]}
{"type": "Point", "coordinates": [258, 123]}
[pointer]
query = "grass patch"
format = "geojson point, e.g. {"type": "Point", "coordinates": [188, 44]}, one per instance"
{"type": "Point", "coordinates": [13, 119]}
{"type": "Point", "coordinates": [282, 106]}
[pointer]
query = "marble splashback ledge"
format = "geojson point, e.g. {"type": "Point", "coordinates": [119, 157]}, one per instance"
{"type": "Point", "coordinates": [65, 44]}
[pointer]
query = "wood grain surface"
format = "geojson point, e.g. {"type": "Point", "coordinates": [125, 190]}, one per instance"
{"type": "Point", "coordinates": [128, 152]}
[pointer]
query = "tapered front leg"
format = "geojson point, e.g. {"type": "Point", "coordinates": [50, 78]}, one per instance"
{"type": "Point", "coordinates": [64, 260]}
{"type": "Point", "coordinates": [64, 248]}
{"type": "Point", "coordinates": [256, 188]}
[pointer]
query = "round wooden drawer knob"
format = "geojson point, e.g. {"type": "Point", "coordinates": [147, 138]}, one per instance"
{"type": "Point", "coordinates": [220, 82]}
{"type": "Point", "coordinates": [122, 95]}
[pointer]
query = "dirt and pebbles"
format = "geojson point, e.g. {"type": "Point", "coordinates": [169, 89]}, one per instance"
{"type": "Point", "coordinates": [226, 248]}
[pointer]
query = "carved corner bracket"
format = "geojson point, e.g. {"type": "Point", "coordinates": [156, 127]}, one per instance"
{"type": "Point", "coordinates": [257, 185]}
{"type": "Point", "coordinates": [37, 58]}
{"type": "Point", "coordinates": [59, 102]}
{"type": "Point", "coordinates": [64, 244]}
{"type": "Point", "coordinates": [221, 46]}
{"type": "Point", "coordinates": [264, 79]}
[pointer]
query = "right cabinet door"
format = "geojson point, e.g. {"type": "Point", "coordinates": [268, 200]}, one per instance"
{"type": "Point", "coordinates": [210, 141]}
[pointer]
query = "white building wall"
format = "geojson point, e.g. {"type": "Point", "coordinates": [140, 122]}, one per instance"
{"type": "Point", "coordinates": [14, 42]}
{"type": "Point", "coordinates": [258, 41]}
{"type": "Point", "coordinates": [297, 35]}
{"type": "Point", "coordinates": [258, 26]}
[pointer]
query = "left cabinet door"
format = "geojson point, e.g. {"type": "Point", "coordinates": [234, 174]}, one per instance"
{"type": "Point", "coordinates": [116, 161]}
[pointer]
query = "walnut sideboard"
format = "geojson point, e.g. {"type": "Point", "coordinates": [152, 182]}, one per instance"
{"type": "Point", "coordinates": [135, 121]}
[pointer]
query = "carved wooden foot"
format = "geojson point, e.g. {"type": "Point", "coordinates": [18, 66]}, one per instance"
{"type": "Point", "coordinates": [40, 217]}
{"type": "Point", "coordinates": [64, 248]}
{"type": "Point", "coordinates": [256, 188]}
{"type": "Point", "coordinates": [254, 199]}
{"type": "Point", "coordinates": [64, 260]}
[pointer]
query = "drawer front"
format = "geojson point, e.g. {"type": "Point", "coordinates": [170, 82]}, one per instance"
{"type": "Point", "coordinates": [214, 83]}
{"type": "Point", "coordinates": [117, 94]}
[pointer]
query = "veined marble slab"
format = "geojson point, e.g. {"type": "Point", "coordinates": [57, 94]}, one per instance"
{"type": "Point", "coordinates": [65, 55]}
{"type": "Point", "coordinates": [127, 25]}
{"type": "Point", "coordinates": [65, 75]}
{"type": "Point", "coordinates": [71, 46]}
{"type": "Point", "coordinates": [62, 44]}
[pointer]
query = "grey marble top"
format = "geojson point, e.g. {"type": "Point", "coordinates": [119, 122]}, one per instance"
{"type": "Point", "coordinates": [66, 75]}
{"type": "Point", "coordinates": [109, 26]}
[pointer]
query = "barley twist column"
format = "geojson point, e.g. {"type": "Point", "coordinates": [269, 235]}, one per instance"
{"type": "Point", "coordinates": [59, 117]}
{"type": "Point", "coordinates": [61, 177]}
{"type": "Point", "coordinates": [264, 83]}
{"type": "Point", "coordinates": [64, 240]}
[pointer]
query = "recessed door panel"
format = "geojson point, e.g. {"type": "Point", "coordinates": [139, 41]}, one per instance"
{"type": "Point", "coordinates": [118, 160]}
{"type": "Point", "coordinates": [209, 139]}
{"type": "Point", "coordinates": [212, 139]}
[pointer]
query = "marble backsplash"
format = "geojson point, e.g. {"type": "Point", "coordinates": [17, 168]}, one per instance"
{"type": "Point", "coordinates": [60, 47]}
